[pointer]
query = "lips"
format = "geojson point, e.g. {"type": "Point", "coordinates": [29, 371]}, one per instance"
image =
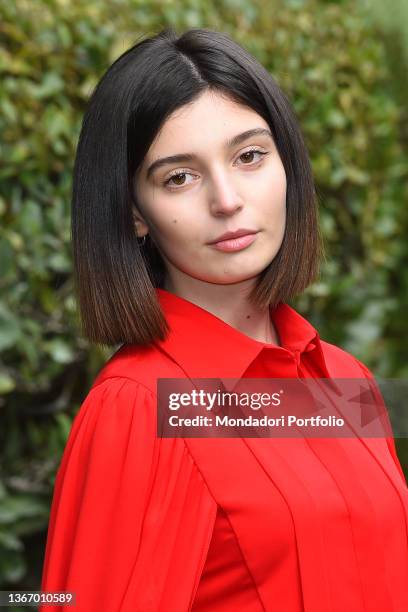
{"type": "Point", "coordinates": [235, 244]}
{"type": "Point", "coordinates": [231, 235]}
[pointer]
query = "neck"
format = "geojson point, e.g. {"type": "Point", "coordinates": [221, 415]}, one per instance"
{"type": "Point", "coordinates": [229, 303]}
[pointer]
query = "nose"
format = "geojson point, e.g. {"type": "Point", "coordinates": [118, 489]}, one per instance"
{"type": "Point", "coordinates": [224, 199]}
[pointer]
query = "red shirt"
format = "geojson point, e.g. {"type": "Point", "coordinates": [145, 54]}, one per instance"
{"type": "Point", "coordinates": [143, 524]}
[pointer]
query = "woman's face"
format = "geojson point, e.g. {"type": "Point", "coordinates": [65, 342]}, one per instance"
{"type": "Point", "coordinates": [221, 187]}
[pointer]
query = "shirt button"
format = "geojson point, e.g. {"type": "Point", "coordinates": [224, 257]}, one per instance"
{"type": "Point", "coordinates": [296, 355]}
{"type": "Point", "coordinates": [310, 347]}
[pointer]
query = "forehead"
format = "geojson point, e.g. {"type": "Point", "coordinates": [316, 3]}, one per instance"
{"type": "Point", "coordinates": [208, 121]}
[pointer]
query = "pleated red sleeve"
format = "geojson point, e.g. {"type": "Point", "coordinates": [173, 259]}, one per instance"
{"type": "Point", "coordinates": [390, 439]}
{"type": "Point", "coordinates": [131, 517]}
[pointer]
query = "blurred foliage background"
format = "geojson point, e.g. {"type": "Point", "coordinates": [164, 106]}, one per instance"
{"type": "Point", "coordinates": [343, 65]}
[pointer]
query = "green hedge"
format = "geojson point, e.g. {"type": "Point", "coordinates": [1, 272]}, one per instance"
{"type": "Point", "coordinates": [332, 61]}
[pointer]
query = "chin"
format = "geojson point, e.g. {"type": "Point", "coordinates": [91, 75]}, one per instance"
{"type": "Point", "coordinates": [230, 279]}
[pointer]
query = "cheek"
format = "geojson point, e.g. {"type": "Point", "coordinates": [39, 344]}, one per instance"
{"type": "Point", "coordinates": [176, 231]}
{"type": "Point", "coordinates": [274, 211]}
{"type": "Point", "coordinates": [271, 188]}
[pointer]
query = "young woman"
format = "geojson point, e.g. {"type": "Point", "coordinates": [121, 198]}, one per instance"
{"type": "Point", "coordinates": [194, 223]}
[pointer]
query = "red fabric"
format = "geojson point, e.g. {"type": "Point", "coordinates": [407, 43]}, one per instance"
{"type": "Point", "coordinates": [140, 523]}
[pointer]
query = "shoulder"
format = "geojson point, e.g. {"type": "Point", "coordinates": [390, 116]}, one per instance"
{"type": "Point", "coordinates": [343, 363]}
{"type": "Point", "coordinates": [123, 396]}
{"type": "Point", "coordinates": [143, 365]}
{"type": "Point", "coordinates": [113, 408]}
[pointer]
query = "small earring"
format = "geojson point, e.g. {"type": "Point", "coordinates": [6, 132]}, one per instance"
{"type": "Point", "coordinates": [143, 241]}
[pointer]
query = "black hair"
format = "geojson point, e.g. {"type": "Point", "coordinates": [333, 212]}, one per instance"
{"type": "Point", "coordinates": [115, 277]}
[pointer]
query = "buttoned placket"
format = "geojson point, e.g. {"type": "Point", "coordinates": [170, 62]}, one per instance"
{"type": "Point", "coordinates": [297, 355]}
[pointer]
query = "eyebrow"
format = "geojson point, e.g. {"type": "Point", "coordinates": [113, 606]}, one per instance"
{"type": "Point", "coordinates": [189, 157]}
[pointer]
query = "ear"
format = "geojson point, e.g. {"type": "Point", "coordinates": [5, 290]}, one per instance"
{"type": "Point", "coordinates": [141, 226]}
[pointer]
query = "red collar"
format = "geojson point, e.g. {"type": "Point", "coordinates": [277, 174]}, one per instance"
{"type": "Point", "coordinates": [199, 341]}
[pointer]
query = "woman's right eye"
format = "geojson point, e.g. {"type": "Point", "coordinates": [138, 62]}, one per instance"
{"type": "Point", "coordinates": [176, 175]}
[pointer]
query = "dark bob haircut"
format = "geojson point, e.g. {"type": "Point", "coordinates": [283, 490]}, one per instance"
{"type": "Point", "coordinates": [114, 276]}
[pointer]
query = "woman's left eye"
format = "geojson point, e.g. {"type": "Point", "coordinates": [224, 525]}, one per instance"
{"type": "Point", "coordinates": [250, 152]}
